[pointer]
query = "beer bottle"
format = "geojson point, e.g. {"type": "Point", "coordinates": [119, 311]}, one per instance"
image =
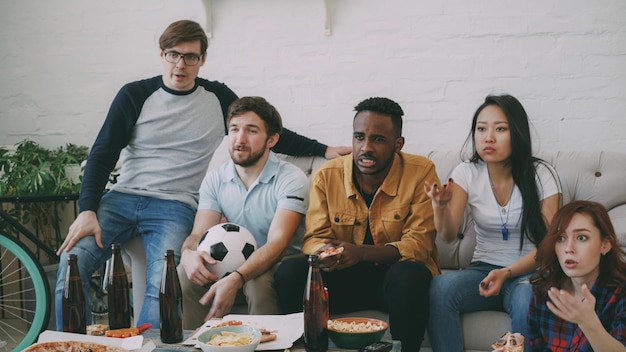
{"type": "Point", "coordinates": [315, 309]}
{"type": "Point", "coordinates": [73, 302]}
{"type": "Point", "coordinates": [118, 292]}
{"type": "Point", "coordinates": [171, 302]}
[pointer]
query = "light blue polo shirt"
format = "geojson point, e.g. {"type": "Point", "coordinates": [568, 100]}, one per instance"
{"type": "Point", "coordinates": [281, 185]}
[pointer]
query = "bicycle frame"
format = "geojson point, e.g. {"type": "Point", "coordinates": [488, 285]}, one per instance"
{"type": "Point", "coordinates": [25, 231]}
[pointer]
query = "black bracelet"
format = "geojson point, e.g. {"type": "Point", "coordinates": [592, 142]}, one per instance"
{"type": "Point", "coordinates": [243, 279]}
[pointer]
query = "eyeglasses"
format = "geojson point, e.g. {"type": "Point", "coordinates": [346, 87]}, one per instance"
{"type": "Point", "coordinates": [189, 59]}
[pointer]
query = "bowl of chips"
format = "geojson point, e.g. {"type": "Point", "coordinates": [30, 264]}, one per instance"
{"type": "Point", "coordinates": [355, 333]}
{"type": "Point", "coordinates": [237, 338]}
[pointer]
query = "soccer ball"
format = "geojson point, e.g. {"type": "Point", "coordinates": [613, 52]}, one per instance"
{"type": "Point", "coordinates": [229, 244]}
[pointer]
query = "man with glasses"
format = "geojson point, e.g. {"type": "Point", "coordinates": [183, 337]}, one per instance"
{"type": "Point", "coordinates": [189, 59]}
{"type": "Point", "coordinates": [168, 128]}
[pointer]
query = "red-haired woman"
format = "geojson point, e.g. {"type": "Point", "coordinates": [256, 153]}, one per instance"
{"type": "Point", "coordinates": [579, 301]}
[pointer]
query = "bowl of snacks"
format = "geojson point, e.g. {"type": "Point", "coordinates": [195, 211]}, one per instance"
{"type": "Point", "coordinates": [237, 338]}
{"type": "Point", "coordinates": [355, 333]}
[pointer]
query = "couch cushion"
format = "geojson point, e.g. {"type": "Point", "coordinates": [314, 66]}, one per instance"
{"type": "Point", "coordinates": [590, 175]}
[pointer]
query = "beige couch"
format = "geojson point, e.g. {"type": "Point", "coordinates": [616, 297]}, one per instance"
{"type": "Point", "coordinates": [589, 175]}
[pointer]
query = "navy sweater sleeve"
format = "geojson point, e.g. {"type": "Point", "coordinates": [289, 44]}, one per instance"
{"type": "Point", "coordinates": [294, 144]}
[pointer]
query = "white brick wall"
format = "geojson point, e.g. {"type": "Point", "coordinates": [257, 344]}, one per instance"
{"type": "Point", "coordinates": [62, 62]}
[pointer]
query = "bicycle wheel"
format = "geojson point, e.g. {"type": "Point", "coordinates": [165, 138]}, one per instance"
{"type": "Point", "coordinates": [24, 295]}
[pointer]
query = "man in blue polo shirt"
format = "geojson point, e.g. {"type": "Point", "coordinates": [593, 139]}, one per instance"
{"type": "Point", "coordinates": [258, 191]}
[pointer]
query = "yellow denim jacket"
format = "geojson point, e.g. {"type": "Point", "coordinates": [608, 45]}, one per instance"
{"type": "Point", "coordinates": [400, 215]}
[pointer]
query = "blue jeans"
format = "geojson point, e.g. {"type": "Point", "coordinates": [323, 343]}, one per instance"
{"type": "Point", "coordinates": [162, 224]}
{"type": "Point", "coordinates": [454, 293]}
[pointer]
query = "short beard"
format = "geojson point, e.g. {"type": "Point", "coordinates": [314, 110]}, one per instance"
{"type": "Point", "coordinates": [252, 160]}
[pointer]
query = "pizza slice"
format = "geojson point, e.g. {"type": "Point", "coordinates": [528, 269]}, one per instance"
{"type": "Point", "coordinates": [267, 336]}
{"type": "Point", "coordinates": [97, 329]}
{"type": "Point", "coordinates": [511, 342]}
{"type": "Point", "coordinates": [228, 323]}
{"type": "Point", "coordinates": [72, 346]}
{"type": "Point", "coordinates": [330, 251]}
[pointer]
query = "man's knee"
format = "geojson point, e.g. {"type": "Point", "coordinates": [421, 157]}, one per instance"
{"type": "Point", "coordinates": [408, 275]}
{"type": "Point", "coordinates": [193, 312]}
{"type": "Point", "coordinates": [89, 258]}
{"type": "Point", "coordinates": [191, 291]}
{"type": "Point", "coordinates": [289, 274]}
{"type": "Point", "coordinates": [289, 280]}
{"type": "Point", "coordinates": [260, 294]}
{"type": "Point", "coordinates": [290, 268]}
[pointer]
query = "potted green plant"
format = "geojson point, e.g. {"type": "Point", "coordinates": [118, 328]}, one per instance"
{"type": "Point", "coordinates": [32, 170]}
{"type": "Point", "coordinates": [66, 167]}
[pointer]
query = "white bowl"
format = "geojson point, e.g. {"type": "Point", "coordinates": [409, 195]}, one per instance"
{"type": "Point", "coordinates": [207, 335]}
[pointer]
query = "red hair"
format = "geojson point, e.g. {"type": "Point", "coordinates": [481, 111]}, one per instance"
{"type": "Point", "coordinates": [550, 273]}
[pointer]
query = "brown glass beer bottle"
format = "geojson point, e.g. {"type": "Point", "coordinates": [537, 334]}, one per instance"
{"type": "Point", "coordinates": [73, 303]}
{"type": "Point", "coordinates": [118, 292]}
{"type": "Point", "coordinates": [171, 302]}
{"type": "Point", "coordinates": [315, 310]}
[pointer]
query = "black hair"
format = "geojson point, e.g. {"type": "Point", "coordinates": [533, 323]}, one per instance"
{"type": "Point", "coordinates": [383, 106]}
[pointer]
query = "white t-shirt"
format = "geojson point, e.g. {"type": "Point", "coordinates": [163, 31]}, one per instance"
{"type": "Point", "coordinates": [488, 216]}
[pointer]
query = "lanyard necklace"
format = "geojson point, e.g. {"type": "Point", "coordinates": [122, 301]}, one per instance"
{"type": "Point", "coordinates": [501, 209]}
